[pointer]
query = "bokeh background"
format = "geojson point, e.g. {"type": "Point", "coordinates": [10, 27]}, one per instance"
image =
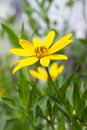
{"type": "Point", "coordinates": [37, 18]}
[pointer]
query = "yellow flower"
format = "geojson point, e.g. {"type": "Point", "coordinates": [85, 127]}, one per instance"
{"type": "Point", "coordinates": [40, 51]}
{"type": "Point", "coordinates": [54, 71]}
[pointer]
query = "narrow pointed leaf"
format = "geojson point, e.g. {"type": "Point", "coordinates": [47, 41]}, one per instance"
{"type": "Point", "coordinates": [76, 95]}
{"type": "Point", "coordinates": [61, 124]}
{"type": "Point", "coordinates": [84, 96]}
{"type": "Point", "coordinates": [59, 106]}
{"type": "Point", "coordinates": [64, 87]}
{"type": "Point", "coordinates": [84, 115]}
{"type": "Point", "coordinates": [78, 102]}
{"type": "Point", "coordinates": [10, 102]}
{"type": "Point", "coordinates": [12, 35]}
{"type": "Point", "coordinates": [76, 126]}
{"type": "Point", "coordinates": [80, 107]}
{"type": "Point", "coordinates": [40, 106]}
{"type": "Point", "coordinates": [2, 122]}
{"type": "Point", "coordinates": [23, 33]}
{"type": "Point", "coordinates": [23, 89]}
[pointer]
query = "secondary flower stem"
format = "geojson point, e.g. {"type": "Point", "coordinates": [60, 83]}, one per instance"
{"type": "Point", "coordinates": [55, 86]}
{"type": "Point", "coordinates": [60, 98]}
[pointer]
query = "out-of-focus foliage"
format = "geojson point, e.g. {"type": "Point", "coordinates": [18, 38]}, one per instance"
{"type": "Point", "coordinates": [28, 104]}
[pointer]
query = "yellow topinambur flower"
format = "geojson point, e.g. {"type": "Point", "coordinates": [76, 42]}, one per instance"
{"type": "Point", "coordinates": [54, 71]}
{"type": "Point", "coordinates": [38, 51]}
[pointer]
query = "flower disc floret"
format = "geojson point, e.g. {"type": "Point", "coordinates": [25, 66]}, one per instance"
{"type": "Point", "coordinates": [41, 51]}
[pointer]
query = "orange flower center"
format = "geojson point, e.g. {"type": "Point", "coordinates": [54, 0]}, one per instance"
{"type": "Point", "coordinates": [41, 51]}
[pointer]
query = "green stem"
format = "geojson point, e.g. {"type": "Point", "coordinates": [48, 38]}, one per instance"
{"type": "Point", "coordinates": [26, 73]}
{"type": "Point", "coordinates": [55, 86]}
{"type": "Point", "coordinates": [53, 127]}
{"type": "Point", "coordinates": [60, 98]}
{"type": "Point", "coordinates": [27, 116]}
{"type": "Point", "coordinates": [52, 119]}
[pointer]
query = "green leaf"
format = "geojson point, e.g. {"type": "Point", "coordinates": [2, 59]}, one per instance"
{"type": "Point", "coordinates": [59, 106]}
{"type": "Point", "coordinates": [2, 122]}
{"type": "Point", "coordinates": [41, 4]}
{"type": "Point", "coordinates": [23, 33]}
{"type": "Point", "coordinates": [80, 107]}
{"type": "Point", "coordinates": [76, 96]}
{"type": "Point", "coordinates": [11, 19]}
{"type": "Point", "coordinates": [23, 89]}
{"type": "Point", "coordinates": [78, 102]}
{"type": "Point", "coordinates": [27, 8]}
{"type": "Point", "coordinates": [64, 87]}
{"type": "Point", "coordinates": [43, 103]}
{"type": "Point", "coordinates": [70, 3]}
{"type": "Point", "coordinates": [84, 96]}
{"type": "Point", "coordinates": [84, 115]}
{"type": "Point", "coordinates": [61, 124]}
{"type": "Point", "coordinates": [69, 96]}
{"type": "Point", "coordinates": [80, 57]}
{"type": "Point", "coordinates": [69, 108]}
{"type": "Point", "coordinates": [40, 106]}
{"type": "Point", "coordinates": [83, 41]}
{"type": "Point", "coordinates": [9, 102]}
{"type": "Point", "coordinates": [12, 35]}
{"type": "Point", "coordinates": [38, 111]}
{"type": "Point", "coordinates": [34, 95]}
{"type": "Point", "coordinates": [76, 126]}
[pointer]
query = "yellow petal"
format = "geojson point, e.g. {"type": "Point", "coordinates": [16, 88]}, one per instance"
{"type": "Point", "coordinates": [26, 44]}
{"type": "Point", "coordinates": [45, 61]}
{"type": "Point", "coordinates": [60, 44]}
{"type": "Point", "coordinates": [14, 62]}
{"type": "Point", "coordinates": [25, 62]}
{"type": "Point", "coordinates": [37, 42]}
{"type": "Point", "coordinates": [42, 75]}
{"type": "Point", "coordinates": [49, 39]}
{"type": "Point", "coordinates": [42, 72]}
{"type": "Point", "coordinates": [53, 71]}
{"type": "Point", "coordinates": [34, 73]}
{"type": "Point", "coordinates": [60, 69]}
{"type": "Point", "coordinates": [53, 68]}
{"type": "Point", "coordinates": [58, 57]}
{"type": "Point", "coordinates": [21, 52]}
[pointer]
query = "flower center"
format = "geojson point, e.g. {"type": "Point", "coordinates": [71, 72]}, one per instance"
{"type": "Point", "coordinates": [41, 51]}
